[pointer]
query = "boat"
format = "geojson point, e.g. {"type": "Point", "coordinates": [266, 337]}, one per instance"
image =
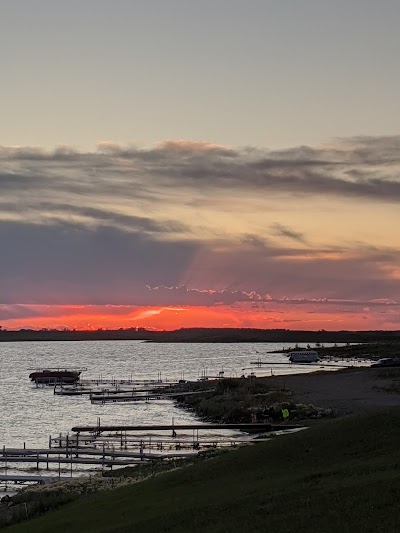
{"type": "Point", "coordinates": [304, 356]}
{"type": "Point", "coordinates": [51, 376]}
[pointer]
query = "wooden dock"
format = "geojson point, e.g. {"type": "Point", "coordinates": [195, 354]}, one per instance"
{"type": "Point", "coordinates": [248, 428]}
{"type": "Point", "coordinates": [23, 480]}
{"type": "Point", "coordinates": [104, 452]}
{"type": "Point", "coordinates": [126, 442]}
{"type": "Point", "coordinates": [294, 364]}
{"type": "Point", "coordinates": [107, 390]}
{"type": "Point", "coordinates": [74, 460]}
{"type": "Point", "coordinates": [141, 397]}
{"type": "Point", "coordinates": [103, 457]}
{"type": "Point", "coordinates": [128, 381]}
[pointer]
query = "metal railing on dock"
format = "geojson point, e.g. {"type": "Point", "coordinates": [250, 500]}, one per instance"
{"type": "Point", "coordinates": [126, 381]}
{"type": "Point", "coordinates": [95, 390]}
{"type": "Point", "coordinates": [139, 396]}
{"type": "Point", "coordinates": [250, 428]}
{"type": "Point", "coordinates": [128, 442]}
{"type": "Point", "coordinates": [103, 456]}
{"type": "Point", "coordinates": [29, 480]}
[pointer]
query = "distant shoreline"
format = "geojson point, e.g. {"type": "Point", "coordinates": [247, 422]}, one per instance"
{"type": "Point", "coordinates": [203, 335]}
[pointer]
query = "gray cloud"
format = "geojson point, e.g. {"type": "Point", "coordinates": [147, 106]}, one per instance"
{"type": "Point", "coordinates": [59, 212]}
{"type": "Point", "coordinates": [361, 167]}
{"type": "Point", "coordinates": [91, 228]}
{"type": "Point", "coordinates": [284, 231]}
{"type": "Point", "coordinates": [73, 264]}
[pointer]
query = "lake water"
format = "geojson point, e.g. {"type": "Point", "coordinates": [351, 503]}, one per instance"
{"type": "Point", "coordinates": [30, 415]}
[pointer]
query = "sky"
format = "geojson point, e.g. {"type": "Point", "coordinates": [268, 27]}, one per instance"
{"type": "Point", "coordinates": [212, 164]}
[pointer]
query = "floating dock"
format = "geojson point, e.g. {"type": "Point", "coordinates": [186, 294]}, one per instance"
{"type": "Point", "coordinates": [285, 363]}
{"type": "Point", "coordinates": [82, 456]}
{"type": "Point", "coordinates": [25, 480]}
{"type": "Point", "coordinates": [249, 428]}
{"type": "Point", "coordinates": [82, 391]}
{"type": "Point", "coordinates": [140, 397]}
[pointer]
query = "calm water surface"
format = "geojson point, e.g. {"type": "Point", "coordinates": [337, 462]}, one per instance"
{"type": "Point", "coordinates": [30, 415]}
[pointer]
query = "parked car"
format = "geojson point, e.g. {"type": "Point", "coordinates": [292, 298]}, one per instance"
{"type": "Point", "coordinates": [387, 361]}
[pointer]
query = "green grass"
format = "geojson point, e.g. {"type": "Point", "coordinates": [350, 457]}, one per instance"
{"type": "Point", "coordinates": [341, 475]}
{"type": "Point", "coordinates": [392, 374]}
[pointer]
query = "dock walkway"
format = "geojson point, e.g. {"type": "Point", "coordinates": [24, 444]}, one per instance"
{"type": "Point", "coordinates": [103, 456]}
{"type": "Point", "coordinates": [249, 428]}
{"type": "Point", "coordinates": [41, 480]}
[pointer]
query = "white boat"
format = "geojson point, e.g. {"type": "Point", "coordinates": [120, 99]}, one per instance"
{"type": "Point", "coordinates": [304, 356]}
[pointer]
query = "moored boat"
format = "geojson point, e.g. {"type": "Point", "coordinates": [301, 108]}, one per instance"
{"type": "Point", "coordinates": [51, 376]}
{"type": "Point", "coordinates": [304, 356]}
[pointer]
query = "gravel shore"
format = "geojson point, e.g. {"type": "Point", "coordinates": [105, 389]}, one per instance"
{"type": "Point", "coordinates": [347, 392]}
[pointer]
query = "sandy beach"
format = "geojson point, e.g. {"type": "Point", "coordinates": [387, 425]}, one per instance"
{"type": "Point", "coordinates": [345, 392]}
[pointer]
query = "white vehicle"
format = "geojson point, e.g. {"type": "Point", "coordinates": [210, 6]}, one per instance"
{"type": "Point", "coordinates": [304, 356]}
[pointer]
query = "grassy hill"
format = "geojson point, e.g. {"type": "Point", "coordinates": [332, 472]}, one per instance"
{"type": "Point", "coordinates": [339, 476]}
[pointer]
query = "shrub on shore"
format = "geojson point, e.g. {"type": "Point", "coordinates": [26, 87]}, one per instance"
{"type": "Point", "coordinates": [239, 400]}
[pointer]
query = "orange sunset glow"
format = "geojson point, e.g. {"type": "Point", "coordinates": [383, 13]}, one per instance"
{"type": "Point", "coordinates": [201, 235]}
{"type": "Point", "coordinates": [200, 265]}
{"type": "Point", "coordinates": [230, 179]}
{"type": "Point", "coordinates": [171, 318]}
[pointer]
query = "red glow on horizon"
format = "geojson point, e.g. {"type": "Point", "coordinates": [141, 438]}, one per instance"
{"type": "Point", "coordinates": [172, 318]}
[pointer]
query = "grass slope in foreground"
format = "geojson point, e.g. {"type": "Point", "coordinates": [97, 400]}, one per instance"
{"type": "Point", "coordinates": [338, 476]}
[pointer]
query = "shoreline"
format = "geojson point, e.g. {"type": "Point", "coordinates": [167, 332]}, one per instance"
{"type": "Point", "coordinates": [203, 335]}
{"type": "Point", "coordinates": [346, 392]}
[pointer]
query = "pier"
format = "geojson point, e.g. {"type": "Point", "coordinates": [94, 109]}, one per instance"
{"type": "Point", "coordinates": [28, 480]}
{"type": "Point", "coordinates": [103, 456]}
{"type": "Point", "coordinates": [126, 381]}
{"type": "Point", "coordinates": [126, 441]}
{"type": "Point", "coordinates": [140, 397]}
{"type": "Point", "coordinates": [81, 391]}
{"type": "Point", "coordinates": [103, 452]}
{"type": "Point", "coordinates": [152, 437]}
{"type": "Point", "coordinates": [249, 428]}
{"type": "Point", "coordinates": [289, 363]}
{"type": "Point", "coordinates": [75, 460]}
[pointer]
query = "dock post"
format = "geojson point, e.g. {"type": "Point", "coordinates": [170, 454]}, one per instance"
{"type": "Point", "coordinates": [141, 450]}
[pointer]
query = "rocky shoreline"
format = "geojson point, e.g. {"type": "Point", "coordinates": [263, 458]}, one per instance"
{"type": "Point", "coordinates": [308, 397]}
